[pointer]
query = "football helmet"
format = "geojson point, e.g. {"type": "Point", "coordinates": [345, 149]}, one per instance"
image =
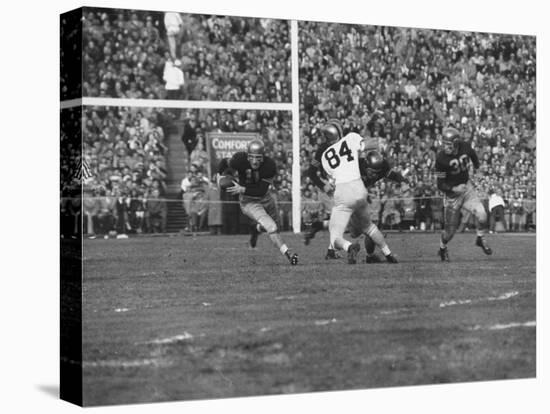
{"type": "Point", "coordinates": [374, 161]}
{"type": "Point", "coordinates": [449, 140]}
{"type": "Point", "coordinates": [255, 151]}
{"type": "Point", "coordinates": [333, 130]}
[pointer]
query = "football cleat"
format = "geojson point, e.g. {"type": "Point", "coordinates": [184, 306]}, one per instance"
{"type": "Point", "coordinates": [390, 258]}
{"type": "Point", "coordinates": [353, 250]}
{"type": "Point", "coordinates": [331, 254]}
{"type": "Point", "coordinates": [444, 254]}
{"type": "Point", "coordinates": [254, 237]}
{"type": "Point", "coordinates": [293, 259]}
{"type": "Point", "coordinates": [481, 242]}
{"type": "Point", "coordinates": [372, 258]}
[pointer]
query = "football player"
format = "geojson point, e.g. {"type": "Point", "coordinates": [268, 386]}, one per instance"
{"type": "Point", "coordinates": [320, 179]}
{"type": "Point", "coordinates": [254, 175]}
{"type": "Point", "coordinates": [451, 168]}
{"type": "Point", "coordinates": [340, 160]}
{"type": "Point", "coordinates": [374, 167]}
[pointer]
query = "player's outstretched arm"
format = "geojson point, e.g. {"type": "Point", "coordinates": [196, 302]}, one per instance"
{"type": "Point", "coordinates": [370, 144]}
{"type": "Point", "coordinates": [397, 177]}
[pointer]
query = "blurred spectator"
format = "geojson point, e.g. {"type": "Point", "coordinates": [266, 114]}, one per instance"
{"type": "Point", "coordinates": [313, 211]}
{"type": "Point", "coordinates": [199, 156]}
{"type": "Point", "coordinates": [496, 210]}
{"type": "Point", "coordinates": [406, 207]}
{"type": "Point", "coordinates": [391, 207]}
{"type": "Point", "coordinates": [530, 209]}
{"type": "Point", "coordinates": [423, 204]}
{"type": "Point", "coordinates": [122, 225]}
{"type": "Point", "coordinates": [106, 214]}
{"type": "Point", "coordinates": [518, 215]}
{"type": "Point", "coordinates": [173, 24]}
{"type": "Point", "coordinates": [189, 136]}
{"type": "Point", "coordinates": [194, 186]}
{"type": "Point", "coordinates": [214, 208]}
{"type": "Point", "coordinates": [136, 211]}
{"type": "Point", "coordinates": [158, 212]}
{"type": "Point", "coordinates": [173, 76]}
{"type": "Point", "coordinates": [90, 206]}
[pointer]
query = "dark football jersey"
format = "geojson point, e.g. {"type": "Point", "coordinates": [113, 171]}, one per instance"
{"type": "Point", "coordinates": [257, 181]}
{"type": "Point", "coordinates": [452, 169]}
{"type": "Point", "coordinates": [316, 167]}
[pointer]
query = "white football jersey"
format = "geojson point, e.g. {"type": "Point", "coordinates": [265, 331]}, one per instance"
{"type": "Point", "coordinates": [341, 159]}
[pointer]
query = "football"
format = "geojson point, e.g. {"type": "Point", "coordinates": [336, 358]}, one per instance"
{"type": "Point", "coordinates": [226, 181]}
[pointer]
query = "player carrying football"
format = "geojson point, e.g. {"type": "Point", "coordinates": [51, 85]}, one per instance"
{"type": "Point", "coordinates": [451, 167]}
{"type": "Point", "coordinates": [341, 162]}
{"type": "Point", "coordinates": [254, 175]}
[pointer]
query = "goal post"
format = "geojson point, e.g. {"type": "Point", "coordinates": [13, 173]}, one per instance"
{"type": "Point", "coordinates": [293, 107]}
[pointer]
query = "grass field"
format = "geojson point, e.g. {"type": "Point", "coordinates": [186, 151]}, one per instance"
{"type": "Point", "coordinates": [171, 318]}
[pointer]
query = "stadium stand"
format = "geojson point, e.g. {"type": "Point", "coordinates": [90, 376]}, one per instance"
{"type": "Point", "coordinates": [400, 85]}
{"type": "Point", "coordinates": [126, 53]}
{"type": "Point", "coordinates": [405, 85]}
{"type": "Point", "coordinates": [132, 152]}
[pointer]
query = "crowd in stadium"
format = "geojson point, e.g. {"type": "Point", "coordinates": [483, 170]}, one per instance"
{"type": "Point", "coordinates": [404, 85]}
{"type": "Point", "coordinates": [154, 55]}
{"type": "Point", "coordinates": [70, 158]}
{"type": "Point", "coordinates": [125, 153]}
{"type": "Point", "coordinates": [399, 85]}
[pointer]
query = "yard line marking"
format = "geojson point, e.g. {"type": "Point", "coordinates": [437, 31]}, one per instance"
{"type": "Point", "coordinates": [498, 327]}
{"type": "Point", "coordinates": [394, 311]}
{"type": "Point", "coordinates": [513, 325]}
{"type": "Point", "coordinates": [504, 296]}
{"type": "Point", "coordinates": [116, 363]}
{"type": "Point", "coordinates": [455, 302]}
{"type": "Point", "coordinates": [164, 341]}
{"type": "Point", "coordinates": [285, 297]}
{"type": "Point", "coordinates": [325, 322]}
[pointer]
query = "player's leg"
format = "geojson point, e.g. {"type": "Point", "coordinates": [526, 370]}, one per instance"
{"type": "Point", "coordinates": [338, 223]}
{"type": "Point", "coordinates": [268, 221]}
{"type": "Point", "coordinates": [474, 204]}
{"type": "Point", "coordinates": [376, 237]}
{"type": "Point", "coordinates": [331, 251]}
{"type": "Point", "coordinates": [361, 223]}
{"type": "Point", "coordinates": [356, 226]}
{"type": "Point", "coordinates": [452, 217]}
{"type": "Point", "coordinates": [254, 231]}
{"type": "Point", "coordinates": [315, 225]}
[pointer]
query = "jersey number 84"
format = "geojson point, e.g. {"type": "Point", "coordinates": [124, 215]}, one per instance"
{"type": "Point", "coordinates": [333, 159]}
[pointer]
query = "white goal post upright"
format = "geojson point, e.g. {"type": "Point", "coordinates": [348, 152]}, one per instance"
{"type": "Point", "coordinates": [296, 184]}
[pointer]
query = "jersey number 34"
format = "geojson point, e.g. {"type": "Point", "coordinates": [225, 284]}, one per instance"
{"type": "Point", "coordinates": [460, 164]}
{"type": "Point", "coordinates": [333, 158]}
